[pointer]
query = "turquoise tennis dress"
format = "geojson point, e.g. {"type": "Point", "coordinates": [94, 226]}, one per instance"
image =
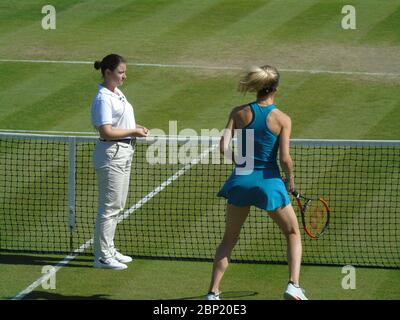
{"type": "Point", "coordinates": [262, 186]}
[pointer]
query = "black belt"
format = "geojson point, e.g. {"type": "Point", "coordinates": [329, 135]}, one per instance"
{"type": "Point", "coordinates": [127, 141]}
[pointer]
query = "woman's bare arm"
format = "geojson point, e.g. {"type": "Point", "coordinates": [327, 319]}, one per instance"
{"type": "Point", "coordinates": [284, 150]}
{"type": "Point", "coordinates": [107, 132]}
{"type": "Point", "coordinates": [224, 143]}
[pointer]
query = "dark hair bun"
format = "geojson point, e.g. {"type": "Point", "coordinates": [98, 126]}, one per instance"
{"type": "Point", "coordinates": [109, 62]}
{"type": "Point", "coordinates": [97, 65]}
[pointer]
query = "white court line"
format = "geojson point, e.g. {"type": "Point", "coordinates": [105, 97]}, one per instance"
{"type": "Point", "coordinates": [163, 185]}
{"type": "Point", "coordinates": [48, 275]}
{"type": "Point", "coordinates": [88, 243]}
{"type": "Point", "coordinates": [192, 66]}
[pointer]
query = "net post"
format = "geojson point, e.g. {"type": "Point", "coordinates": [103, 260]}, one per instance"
{"type": "Point", "coordinates": [71, 187]}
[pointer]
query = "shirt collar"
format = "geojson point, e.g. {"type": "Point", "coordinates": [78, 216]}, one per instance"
{"type": "Point", "coordinates": [104, 90]}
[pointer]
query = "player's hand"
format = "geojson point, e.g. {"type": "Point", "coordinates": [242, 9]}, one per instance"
{"type": "Point", "coordinates": [142, 132]}
{"type": "Point", "coordinates": [147, 131]}
{"type": "Point", "coordinates": [289, 183]}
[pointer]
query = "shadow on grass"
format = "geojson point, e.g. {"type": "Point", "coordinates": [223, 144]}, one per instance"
{"type": "Point", "coordinates": [225, 295]}
{"type": "Point", "coordinates": [45, 295]}
{"type": "Point", "coordinates": [16, 259]}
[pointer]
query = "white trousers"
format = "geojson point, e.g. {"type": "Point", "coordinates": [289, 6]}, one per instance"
{"type": "Point", "coordinates": [112, 163]}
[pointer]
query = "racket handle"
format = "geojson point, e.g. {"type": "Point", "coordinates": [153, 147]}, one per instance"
{"type": "Point", "coordinates": [295, 194]}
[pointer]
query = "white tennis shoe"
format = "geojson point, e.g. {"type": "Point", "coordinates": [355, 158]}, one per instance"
{"type": "Point", "coordinates": [122, 258]}
{"type": "Point", "coordinates": [109, 263]}
{"type": "Point", "coordinates": [294, 293]}
{"type": "Point", "coordinates": [212, 296]}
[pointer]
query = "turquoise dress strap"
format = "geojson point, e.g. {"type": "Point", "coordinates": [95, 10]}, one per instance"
{"type": "Point", "coordinates": [265, 141]}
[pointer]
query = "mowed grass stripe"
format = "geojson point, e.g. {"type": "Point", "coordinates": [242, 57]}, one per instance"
{"type": "Point", "coordinates": [334, 110]}
{"type": "Point", "coordinates": [175, 38]}
{"type": "Point", "coordinates": [17, 15]}
{"type": "Point", "coordinates": [102, 30]}
{"type": "Point", "coordinates": [354, 120]}
{"type": "Point", "coordinates": [386, 30]}
{"type": "Point", "coordinates": [388, 125]}
{"type": "Point", "coordinates": [55, 94]}
{"type": "Point", "coordinates": [322, 23]}
{"type": "Point", "coordinates": [192, 97]}
{"type": "Point", "coordinates": [41, 87]}
{"type": "Point", "coordinates": [62, 102]}
{"type": "Point", "coordinates": [41, 43]}
{"type": "Point", "coordinates": [152, 95]}
{"type": "Point", "coordinates": [257, 26]}
{"type": "Point", "coordinates": [156, 20]}
{"type": "Point", "coordinates": [185, 36]}
{"type": "Point", "coordinates": [90, 28]}
{"type": "Point", "coordinates": [308, 24]}
{"type": "Point", "coordinates": [123, 26]}
{"type": "Point", "coordinates": [219, 16]}
{"type": "Point", "coordinates": [152, 279]}
{"type": "Point", "coordinates": [304, 106]}
{"type": "Point", "coordinates": [370, 15]}
{"type": "Point", "coordinates": [191, 107]}
{"type": "Point", "coordinates": [263, 22]}
{"type": "Point", "coordinates": [85, 90]}
{"type": "Point", "coordinates": [74, 10]}
{"type": "Point", "coordinates": [19, 76]}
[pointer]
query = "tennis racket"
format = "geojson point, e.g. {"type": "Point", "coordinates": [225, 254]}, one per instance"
{"type": "Point", "coordinates": [315, 214]}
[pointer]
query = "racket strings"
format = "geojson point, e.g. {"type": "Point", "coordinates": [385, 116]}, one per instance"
{"type": "Point", "coordinates": [316, 217]}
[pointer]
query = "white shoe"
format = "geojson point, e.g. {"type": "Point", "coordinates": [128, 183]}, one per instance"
{"type": "Point", "coordinates": [121, 258]}
{"type": "Point", "coordinates": [294, 293]}
{"type": "Point", "coordinates": [212, 296]}
{"type": "Point", "coordinates": [109, 263]}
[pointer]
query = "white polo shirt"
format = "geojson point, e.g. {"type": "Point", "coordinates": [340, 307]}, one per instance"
{"type": "Point", "coordinates": [112, 108]}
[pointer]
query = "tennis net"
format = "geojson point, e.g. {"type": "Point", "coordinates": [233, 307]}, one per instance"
{"type": "Point", "coordinates": [48, 200]}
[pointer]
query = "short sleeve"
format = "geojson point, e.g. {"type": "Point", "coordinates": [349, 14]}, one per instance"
{"type": "Point", "coordinates": [101, 112]}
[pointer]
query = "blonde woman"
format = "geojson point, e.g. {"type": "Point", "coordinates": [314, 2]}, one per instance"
{"type": "Point", "coordinates": [262, 186]}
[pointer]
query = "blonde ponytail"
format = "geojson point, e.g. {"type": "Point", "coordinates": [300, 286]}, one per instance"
{"type": "Point", "coordinates": [257, 79]}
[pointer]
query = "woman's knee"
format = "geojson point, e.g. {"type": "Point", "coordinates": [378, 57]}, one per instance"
{"type": "Point", "coordinates": [292, 231]}
{"type": "Point", "coordinates": [289, 227]}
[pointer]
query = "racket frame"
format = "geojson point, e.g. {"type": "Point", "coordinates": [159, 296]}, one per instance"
{"type": "Point", "coordinates": [303, 211]}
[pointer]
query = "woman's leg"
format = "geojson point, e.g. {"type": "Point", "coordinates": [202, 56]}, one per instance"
{"type": "Point", "coordinates": [127, 154]}
{"type": "Point", "coordinates": [110, 184]}
{"type": "Point", "coordinates": [287, 221]}
{"type": "Point", "coordinates": [235, 217]}
{"type": "Point", "coordinates": [110, 165]}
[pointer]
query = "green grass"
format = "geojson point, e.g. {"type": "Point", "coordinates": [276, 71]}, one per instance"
{"type": "Point", "coordinates": [235, 33]}
{"type": "Point", "coordinates": [149, 279]}
{"type": "Point", "coordinates": [163, 95]}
